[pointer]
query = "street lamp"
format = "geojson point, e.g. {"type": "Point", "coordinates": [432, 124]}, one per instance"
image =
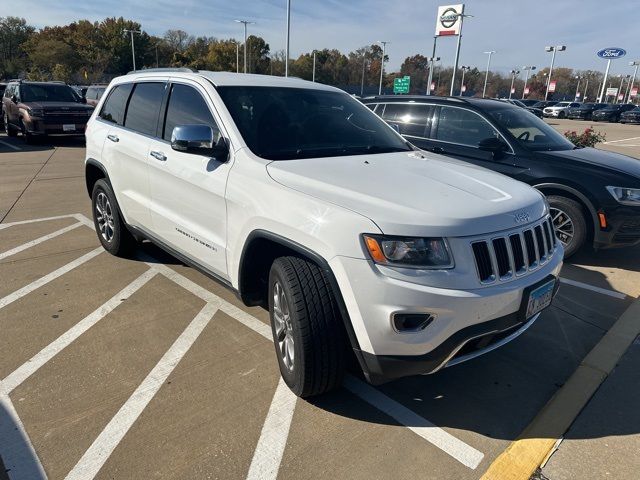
{"type": "Point", "coordinates": [577, 88]}
{"type": "Point", "coordinates": [313, 76]}
{"type": "Point", "coordinates": [633, 79]}
{"type": "Point", "coordinates": [364, 62]}
{"type": "Point", "coordinates": [486, 75]}
{"type": "Point", "coordinates": [621, 77]}
{"type": "Point", "coordinates": [464, 69]}
{"type": "Point", "coordinates": [286, 53]}
{"type": "Point", "coordinates": [133, 50]}
{"type": "Point", "coordinates": [245, 23]}
{"type": "Point", "coordinates": [432, 62]}
{"type": "Point", "coordinates": [557, 48]}
{"type": "Point", "coordinates": [514, 74]}
{"type": "Point", "coordinates": [384, 49]}
{"type": "Point", "coordinates": [528, 69]}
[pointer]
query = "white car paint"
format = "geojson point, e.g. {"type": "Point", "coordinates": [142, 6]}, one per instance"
{"type": "Point", "coordinates": [325, 205]}
{"type": "Point", "coordinates": [559, 109]}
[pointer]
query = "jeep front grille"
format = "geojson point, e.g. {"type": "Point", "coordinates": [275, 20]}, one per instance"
{"type": "Point", "coordinates": [515, 253]}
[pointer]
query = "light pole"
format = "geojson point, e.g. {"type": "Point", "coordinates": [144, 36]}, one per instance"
{"type": "Point", "coordinates": [633, 79]}
{"type": "Point", "coordinates": [528, 69]}
{"type": "Point", "coordinates": [237, 57]}
{"type": "Point", "coordinates": [245, 23]}
{"type": "Point", "coordinates": [384, 50]}
{"type": "Point", "coordinates": [462, 16]}
{"type": "Point", "coordinates": [464, 69]}
{"type": "Point", "coordinates": [557, 48]}
{"type": "Point", "coordinates": [486, 74]}
{"type": "Point", "coordinates": [622, 77]}
{"type": "Point", "coordinates": [133, 50]}
{"type": "Point", "coordinates": [313, 76]}
{"type": "Point", "coordinates": [431, 65]}
{"type": "Point", "coordinates": [286, 53]}
{"type": "Point", "coordinates": [586, 88]}
{"type": "Point", "coordinates": [577, 88]}
{"type": "Point", "coordinates": [157, 63]}
{"type": "Point", "coordinates": [514, 74]}
{"type": "Point", "coordinates": [364, 61]}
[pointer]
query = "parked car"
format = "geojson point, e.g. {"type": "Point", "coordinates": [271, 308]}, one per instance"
{"type": "Point", "coordinates": [594, 195]}
{"type": "Point", "coordinates": [37, 109]}
{"type": "Point", "coordinates": [584, 111]}
{"type": "Point", "coordinates": [94, 93]}
{"type": "Point", "coordinates": [529, 102]}
{"type": "Point", "coordinates": [300, 199]}
{"type": "Point", "coordinates": [559, 110]}
{"type": "Point", "coordinates": [612, 112]}
{"type": "Point", "coordinates": [630, 116]}
{"type": "Point", "coordinates": [536, 111]}
{"type": "Point", "coordinates": [542, 104]}
{"type": "Point", "coordinates": [81, 90]}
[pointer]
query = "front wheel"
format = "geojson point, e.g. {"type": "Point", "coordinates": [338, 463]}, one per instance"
{"type": "Point", "coordinates": [11, 132]}
{"type": "Point", "coordinates": [110, 227]}
{"type": "Point", "coordinates": [307, 328]}
{"type": "Point", "coordinates": [570, 223]}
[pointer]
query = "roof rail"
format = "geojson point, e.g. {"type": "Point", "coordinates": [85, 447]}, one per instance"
{"type": "Point", "coordinates": [165, 69]}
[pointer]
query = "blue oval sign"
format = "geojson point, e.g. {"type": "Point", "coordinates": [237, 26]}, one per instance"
{"type": "Point", "coordinates": [612, 52]}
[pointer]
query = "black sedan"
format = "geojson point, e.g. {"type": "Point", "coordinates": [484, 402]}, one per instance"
{"type": "Point", "coordinates": [529, 102]}
{"type": "Point", "coordinates": [542, 104]}
{"type": "Point", "coordinates": [594, 195]}
{"type": "Point", "coordinates": [611, 113]}
{"type": "Point", "coordinates": [584, 111]}
{"type": "Point", "coordinates": [631, 116]}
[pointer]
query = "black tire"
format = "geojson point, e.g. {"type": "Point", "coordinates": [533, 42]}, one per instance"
{"type": "Point", "coordinates": [11, 131]}
{"type": "Point", "coordinates": [573, 212]}
{"type": "Point", "coordinates": [561, 115]}
{"type": "Point", "coordinates": [315, 325]}
{"type": "Point", "coordinates": [116, 238]}
{"type": "Point", "coordinates": [28, 138]}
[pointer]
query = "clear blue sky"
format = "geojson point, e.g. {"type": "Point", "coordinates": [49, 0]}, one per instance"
{"type": "Point", "coordinates": [517, 29]}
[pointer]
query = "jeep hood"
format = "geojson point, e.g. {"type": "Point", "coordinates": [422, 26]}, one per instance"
{"type": "Point", "coordinates": [410, 193]}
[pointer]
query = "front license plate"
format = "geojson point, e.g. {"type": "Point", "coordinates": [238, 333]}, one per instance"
{"type": "Point", "coordinates": [540, 298]}
{"type": "Point", "coordinates": [68, 128]}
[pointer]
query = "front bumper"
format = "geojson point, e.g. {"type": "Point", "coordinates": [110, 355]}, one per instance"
{"type": "Point", "coordinates": [623, 228]}
{"type": "Point", "coordinates": [579, 115]}
{"type": "Point", "coordinates": [39, 126]}
{"type": "Point", "coordinates": [630, 119]}
{"type": "Point", "coordinates": [553, 113]}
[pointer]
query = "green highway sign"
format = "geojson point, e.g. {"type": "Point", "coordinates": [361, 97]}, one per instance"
{"type": "Point", "coordinates": [401, 85]}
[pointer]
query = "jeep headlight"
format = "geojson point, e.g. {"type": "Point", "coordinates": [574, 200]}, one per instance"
{"type": "Point", "coordinates": [413, 252]}
{"type": "Point", "coordinates": [626, 196]}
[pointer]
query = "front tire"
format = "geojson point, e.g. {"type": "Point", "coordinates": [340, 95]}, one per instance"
{"type": "Point", "coordinates": [570, 223]}
{"type": "Point", "coordinates": [307, 328]}
{"type": "Point", "coordinates": [11, 132]}
{"type": "Point", "coordinates": [110, 227]}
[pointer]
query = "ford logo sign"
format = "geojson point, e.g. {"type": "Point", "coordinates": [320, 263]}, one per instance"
{"type": "Point", "coordinates": [613, 52]}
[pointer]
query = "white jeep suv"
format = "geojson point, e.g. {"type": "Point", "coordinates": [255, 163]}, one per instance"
{"type": "Point", "coordinates": [299, 198]}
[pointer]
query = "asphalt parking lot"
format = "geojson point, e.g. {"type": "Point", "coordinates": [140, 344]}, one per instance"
{"type": "Point", "coordinates": [145, 368]}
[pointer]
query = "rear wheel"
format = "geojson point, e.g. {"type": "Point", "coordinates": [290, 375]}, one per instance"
{"type": "Point", "coordinates": [307, 328]}
{"type": "Point", "coordinates": [110, 227]}
{"type": "Point", "coordinates": [569, 222]}
{"type": "Point", "coordinates": [11, 132]}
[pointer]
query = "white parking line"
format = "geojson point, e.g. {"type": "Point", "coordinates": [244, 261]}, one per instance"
{"type": "Point", "coordinates": [446, 442]}
{"type": "Point", "coordinates": [47, 353]}
{"type": "Point", "coordinates": [43, 219]}
{"type": "Point", "coordinates": [586, 286]}
{"type": "Point", "coordinates": [44, 238]}
{"type": "Point", "coordinates": [622, 140]}
{"type": "Point", "coordinates": [273, 437]}
{"type": "Point", "coordinates": [103, 446]}
{"type": "Point", "coordinates": [15, 147]}
{"type": "Point", "coordinates": [12, 297]}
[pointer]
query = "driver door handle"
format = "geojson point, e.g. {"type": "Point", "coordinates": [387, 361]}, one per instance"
{"type": "Point", "coordinates": [437, 149]}
{"type": "Point", "coordinates": [158, 155]}
{"type": "Point", "coordinates": [113, 138]}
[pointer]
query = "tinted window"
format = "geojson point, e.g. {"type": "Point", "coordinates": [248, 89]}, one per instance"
{"type": "Point", "coordinates": [290, 123]}
{"type": "Point", "coordinates": [144, 107]}
{"type": "Point", "coordinates": [47, 92]}
{"type": "Point", "coordinates": [187, 107]}
{"type": "Point", "coordinates": [114, 107]}
{"type": "Point", "coordinates": [458, 125]}
{"type": "Point", "coordinates": [411, 119]}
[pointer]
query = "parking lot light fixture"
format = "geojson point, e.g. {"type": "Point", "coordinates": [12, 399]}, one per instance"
{"type": "Point", "coordinates": [575, 97]}
{"type": "Point", "coordinates": [313, 75]}
{"type": "Point", "coordinates": [384, 50]}
{"type": "Point", "coordinates": [286, 53]}
{"type": "Point", "coordinates": [622, 79]}
{"type": "Point", "coordinates": [133, 50]}
{"type": "Point", "coordinates": [633, 78]}
{"type": "Point", "coordinates": [528, 69]}
{"type": "Point", "coordinates": [431, 65]}
{"type": "Point", "coordinates": [514, 74]}
{"type": "Point", "coordinates": [462, 16]}
{"type": "Point", "coordinates": [557, 48]}
{"type": "Point", "coordinates": [245, 23]}
{"type": "Point", "coordinates": [464, 69]}
{"type": "Point", "coordinates": [486, 75]}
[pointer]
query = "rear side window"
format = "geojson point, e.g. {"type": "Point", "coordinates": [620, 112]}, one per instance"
{"type": "Point", "coordinates": [411, 119]}
{"type": "Point", "coordinates": [144, 107]}
{"type": "Point", "coordinates": [187, 107]}
{"type": "Point", "coordinates": [464, 127]}
{"type": "Point", "coordinates": [115, 106]}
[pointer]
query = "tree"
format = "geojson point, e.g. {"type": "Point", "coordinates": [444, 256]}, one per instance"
{"type": "Point", "coordinates": [14, 32]}
{"type": "Point", "coordinates": [178, 40]}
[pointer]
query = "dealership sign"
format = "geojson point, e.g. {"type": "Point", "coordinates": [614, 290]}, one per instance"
{"type": "Point", "coordinates": [612, 92]}
{"type": "Point", "coordinates": [634, 92]}
{"type": "Point", "coordinates": [552, 86]}
{"type": "Point", "coordinates": [449, 20]}
{"type": "Point", "coordinates": [611, 53]}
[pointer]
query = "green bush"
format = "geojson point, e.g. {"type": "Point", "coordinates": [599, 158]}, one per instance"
{"type": "Point", "coordinates": [588, 138]}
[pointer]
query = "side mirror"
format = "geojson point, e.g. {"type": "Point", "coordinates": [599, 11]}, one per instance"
{"type": "Point", "coordinates": [198, 139]}
{"type": "Point", "coordinates": [492, 144]}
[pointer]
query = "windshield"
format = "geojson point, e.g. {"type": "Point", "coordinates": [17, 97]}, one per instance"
{"type": "Point", "coordinates": [530, 132]}
{"type": "Point", "coordinates": [47, 93]}
{"type": "Point", "coordinates": [279, 123]}
{"type": "Point", "coordinates": [611, 107]}
{"type": "Point", "coordinates": [562, 104]}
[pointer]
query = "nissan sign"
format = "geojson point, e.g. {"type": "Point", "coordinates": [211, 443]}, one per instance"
{"type": "Point", "coordinates": [611, 53]}
{"type": "Point", "coordinates": [449, 20]}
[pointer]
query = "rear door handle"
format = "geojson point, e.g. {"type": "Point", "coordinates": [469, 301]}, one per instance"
{"type": "Point", "coordinates": [113, 138]}
{"type": "Point", "coordinates": [158, 156]}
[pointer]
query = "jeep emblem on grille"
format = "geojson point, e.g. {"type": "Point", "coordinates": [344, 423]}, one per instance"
{"type": "Point", "coordinates": [521, 217]}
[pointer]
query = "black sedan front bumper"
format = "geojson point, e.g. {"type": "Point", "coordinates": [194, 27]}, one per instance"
{"type": "Point", "coordinates": [623, 228]}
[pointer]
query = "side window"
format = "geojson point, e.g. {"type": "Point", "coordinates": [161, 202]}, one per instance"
{"type": "Point", "coordinates": [462, 126]}
{"type": "Point", "coordinates": [187, 107]}
{"type": "Point", "coordinates": [371, 106]}
{"type": "Point", "coordinates": [144, 107]}
{"type": "Point", "coordinates": [115, 106]}
{"type": "Point", "coordinates": [91, 93]}
{"type": "Point", "coordinates": [379, 109]}
{"type": "Point", "coordinates": [411, 119]}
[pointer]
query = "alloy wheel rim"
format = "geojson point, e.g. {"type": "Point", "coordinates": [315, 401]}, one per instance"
{"type": "Point", "coordinates": [563, 224]}
{"type": "Point", "coordinates": [104, 216]}
{"type": "Point", "coordinates": [283, 326]}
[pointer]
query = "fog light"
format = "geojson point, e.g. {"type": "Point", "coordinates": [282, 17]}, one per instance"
{"type": "Point", "coordinates": [411, 322]}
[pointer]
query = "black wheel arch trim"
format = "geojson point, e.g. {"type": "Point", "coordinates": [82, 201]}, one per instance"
{"type": "Point", "coordinates": [95, 163]}
{"type": "Point", "coordinates": [324, 265]}
{"type": "Point", "coordinates": [583, 198]}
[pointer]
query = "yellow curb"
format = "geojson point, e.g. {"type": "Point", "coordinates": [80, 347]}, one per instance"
{"type": "Point", "coordinates": [524, 455]}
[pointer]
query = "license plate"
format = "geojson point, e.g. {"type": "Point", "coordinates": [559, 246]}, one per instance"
{"type": "Point", "coordinates": [68, 128]}
{"type": "Point", "coordinates": [540, 298]}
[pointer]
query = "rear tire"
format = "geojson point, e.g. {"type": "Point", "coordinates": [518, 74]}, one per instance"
{"type": "Point", "coordinates": [569, 220]}
{"type": "Point", "coordinates": [11, 131]}
{"type": "Point", "coordinates": [110, 227]}
{"type": "Point", "coordinates": [307, 329]}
